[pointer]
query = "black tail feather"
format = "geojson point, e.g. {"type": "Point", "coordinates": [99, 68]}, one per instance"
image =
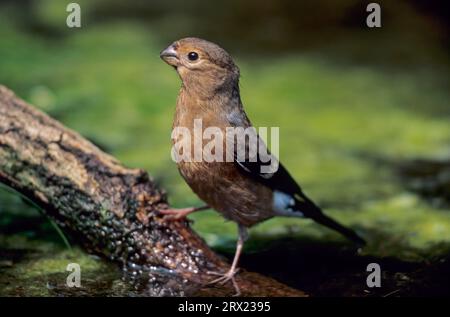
{"type": "Point", "coordinates": [310, 210]}
{"type": "Point", "coordinates": [332, 224]}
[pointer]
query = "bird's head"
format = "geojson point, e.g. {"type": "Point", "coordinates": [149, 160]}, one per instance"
{"type": "Point", "coordinates": [201, 65]}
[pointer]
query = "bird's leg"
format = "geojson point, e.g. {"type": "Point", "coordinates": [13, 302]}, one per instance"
{"type": "Point", "coordinates": [181, 213]}
{"type": "Point", "coordinates": [229, 275]}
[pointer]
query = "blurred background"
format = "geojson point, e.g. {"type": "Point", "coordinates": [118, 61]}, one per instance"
{"type": "Point", "coordinates": [364, 121]}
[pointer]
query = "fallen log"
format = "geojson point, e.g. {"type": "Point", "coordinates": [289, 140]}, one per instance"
{"type": "Point", "coordinates": [110, 209]}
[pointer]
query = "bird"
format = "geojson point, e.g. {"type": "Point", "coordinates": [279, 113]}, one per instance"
{"type": "Point", "coordinates": [235, 188]}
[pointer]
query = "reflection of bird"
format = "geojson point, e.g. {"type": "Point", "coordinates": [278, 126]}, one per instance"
{"type": "Point", "coordinates": [237, 189]}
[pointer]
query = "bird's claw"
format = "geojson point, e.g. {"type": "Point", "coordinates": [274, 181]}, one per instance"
{"type": "Point", "coordinates": [224, 278]}
{"type": "Point", "coordinates": [179, 214]}
{"type": "Point", "coordinates": [175, 214]}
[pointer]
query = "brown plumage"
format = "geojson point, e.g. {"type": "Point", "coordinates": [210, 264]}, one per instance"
{"type": "Point", "coordinates": [237, 189]}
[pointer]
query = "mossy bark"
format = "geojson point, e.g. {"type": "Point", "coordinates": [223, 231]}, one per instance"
{"type": "Point", "coordinates": [109, 208]}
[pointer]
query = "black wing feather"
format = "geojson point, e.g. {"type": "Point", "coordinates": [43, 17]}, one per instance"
{"type": "Point", "coordinates": [282, 181]}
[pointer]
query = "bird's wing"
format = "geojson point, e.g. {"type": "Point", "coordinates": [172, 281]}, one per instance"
{"type": "Point", "coordinates": [289, 199]}
{"type": "Point", "coordinates": [264, 168]}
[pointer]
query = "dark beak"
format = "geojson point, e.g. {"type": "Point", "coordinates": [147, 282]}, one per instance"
{"type": "Point", "coordinates": [169, 55]}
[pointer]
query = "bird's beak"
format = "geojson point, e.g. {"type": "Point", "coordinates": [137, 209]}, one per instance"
{"type": "Point", "coordinates": [170, 55]}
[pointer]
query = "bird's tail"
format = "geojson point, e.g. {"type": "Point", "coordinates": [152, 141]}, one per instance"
{"type": "Point", "coordinates": [332, 224]}
{"type": "Point", "coordinates": [316, 214]}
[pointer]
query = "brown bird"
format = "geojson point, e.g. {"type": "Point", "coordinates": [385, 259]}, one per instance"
{"type": "Point", "coordinates": [237, 188]}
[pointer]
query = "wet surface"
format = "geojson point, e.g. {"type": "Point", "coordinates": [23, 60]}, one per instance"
{"type": "Point", "coordinates": [42, 272]}
{"type": "Point", "coordinates": [338, 270]}
{"type": "Point", "coordinates": [316, 268]}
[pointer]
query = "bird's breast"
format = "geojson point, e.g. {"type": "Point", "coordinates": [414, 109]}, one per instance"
{"type": "Point", "coordinates": [215, 180]}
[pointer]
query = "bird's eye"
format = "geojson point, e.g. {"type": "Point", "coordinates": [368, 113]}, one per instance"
{"type": "Point", "coordinates": [193, 56]}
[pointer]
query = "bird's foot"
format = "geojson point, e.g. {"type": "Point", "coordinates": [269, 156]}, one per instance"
{"type": "Point", "coordinates": [179, 214]}
{"type": "Point", "coordinates": [226, 277]}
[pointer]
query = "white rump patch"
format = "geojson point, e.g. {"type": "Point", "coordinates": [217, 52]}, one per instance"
{"type": "Point", "coordinates": [283, 205]}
